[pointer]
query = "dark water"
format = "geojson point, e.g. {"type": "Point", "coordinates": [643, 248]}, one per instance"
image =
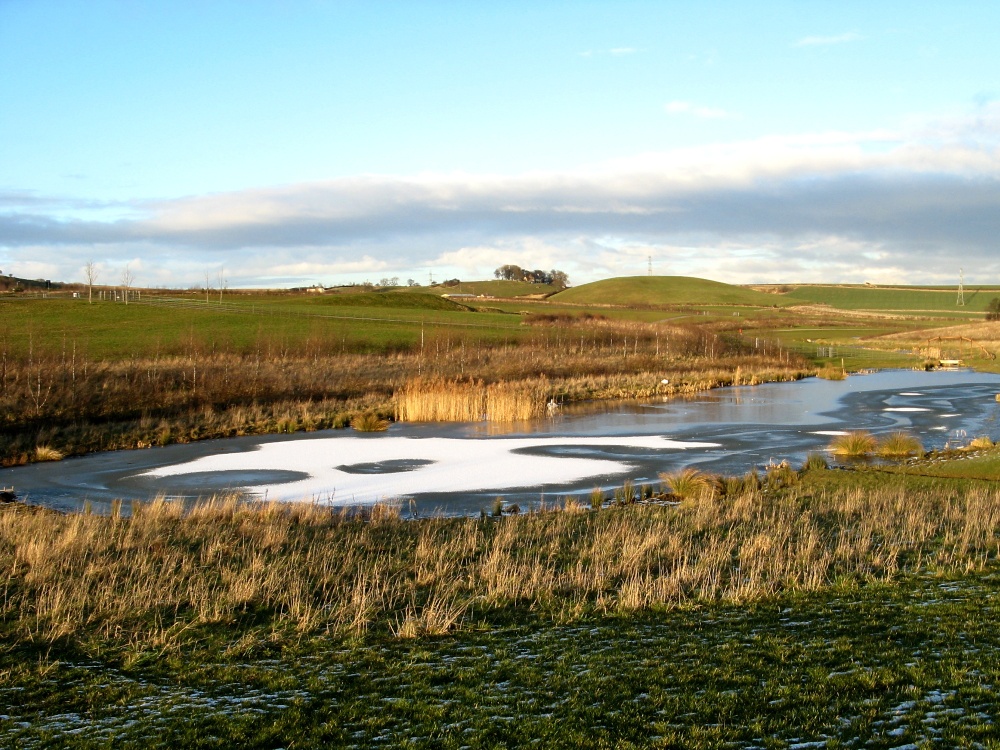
{"type": "Point", "coordinates": [749, 426]}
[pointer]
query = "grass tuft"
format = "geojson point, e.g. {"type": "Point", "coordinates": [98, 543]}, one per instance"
{"type": "Point", "coordinates": [898, 445]}
{"type": "Point", "coordinates": [815, 462]}
{"type": "Point", "coordinates": [688, 484]}
{"type": "Point", "coordinates": [980, 443]}
{"type": "Point", "coordinates": [47, 453]}
{"type": "Point", "coordinates": [855, 444]}
{"type": "Point", "coordinates": [831, 372]}
{"type": "Point", "coordinates": [369, 422]}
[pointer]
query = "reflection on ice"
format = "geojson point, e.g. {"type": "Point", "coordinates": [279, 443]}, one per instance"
{"type": "Point", "coordinates": [433, 464]}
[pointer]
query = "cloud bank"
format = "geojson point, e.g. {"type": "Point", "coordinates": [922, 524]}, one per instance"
{"type": "Point", "coordinates": [904, 207]}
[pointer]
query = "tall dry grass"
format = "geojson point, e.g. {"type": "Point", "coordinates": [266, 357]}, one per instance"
{"type": "Point", "coordinates": [152, 577]}
{"type": "Point", "coordinates": [75, 404]}
{"type": "Point", "coordinates": [440, 400]}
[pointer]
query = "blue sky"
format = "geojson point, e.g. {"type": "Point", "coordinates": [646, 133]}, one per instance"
{"type": "Point", "coordinates": [300, 142]}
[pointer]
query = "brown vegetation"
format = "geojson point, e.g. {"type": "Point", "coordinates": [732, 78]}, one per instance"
{"type": "Point", "coordinates": [148, 578]}
{"type": "Point", "coordinates": [76, 405]}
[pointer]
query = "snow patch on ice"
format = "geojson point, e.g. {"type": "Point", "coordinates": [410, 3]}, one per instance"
{"type": "Point", "coordinates": [453, 464]}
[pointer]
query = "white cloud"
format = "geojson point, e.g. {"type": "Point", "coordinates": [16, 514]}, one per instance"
{"type": "Point", "coordinates": [821, 41]}
{"type": "Point", "coordinates": [687, 108]}
{"type": "Point", "coordinates": [884, 205]}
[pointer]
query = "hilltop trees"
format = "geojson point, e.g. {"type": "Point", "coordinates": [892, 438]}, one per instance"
{"type": "Point", "coordinates": [511, 272]}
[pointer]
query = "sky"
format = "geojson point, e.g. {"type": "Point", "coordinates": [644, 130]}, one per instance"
{"type": "Point", "coordinates": [284, 143]}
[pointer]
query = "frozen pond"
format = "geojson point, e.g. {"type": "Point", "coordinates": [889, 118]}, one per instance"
{"type": "Point", "coordinates": [461, 468]}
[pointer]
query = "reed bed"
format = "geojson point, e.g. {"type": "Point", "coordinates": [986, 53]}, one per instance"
{"type": "Point", "coordinates": [65, 400]}
{"type": "Point", "coordinates": [156, 577]}
{"type": "Point", "coordinates": [442, 400]}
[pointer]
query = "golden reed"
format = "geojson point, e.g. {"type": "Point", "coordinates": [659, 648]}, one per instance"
{"type": "Point", "coordinates": [440, 400]}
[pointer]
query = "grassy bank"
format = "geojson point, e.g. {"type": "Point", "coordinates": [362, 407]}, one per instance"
{"type": "Point", "coordinates": [847, 608]}
{"type": "Point", "coordinates": [153, 579]}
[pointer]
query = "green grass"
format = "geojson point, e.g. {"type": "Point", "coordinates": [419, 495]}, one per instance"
{"type": "Point", "coordinates": [882, 661]}
{"type": "Point", "coordinates": [244, 323]}
{"type": "Point", "coordinates": [393, 300]}
{"type": "Point", "coordinates": [980, 465]}
{"type": "Point", "coordinates": [911, 299]}
{"type": "Point", "coordinates": [876, 666]}
{"type": "Point", "coordinates": [665, 290]}
{"type": "Point", "coordinates": [495, 289]}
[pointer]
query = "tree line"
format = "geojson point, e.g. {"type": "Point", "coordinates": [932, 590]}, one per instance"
{"type": "Point", "coordinates": [511, 272]}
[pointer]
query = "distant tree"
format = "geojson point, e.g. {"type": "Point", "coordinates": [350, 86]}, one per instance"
{"type": "Point", "coordinates": [91, 273]}
{"type": "Point", "coordinates": [128, 278]}
{"type": "Point", "coordinates": [538, 276]}
{"type": "Point", "coordinates": [412, 282]}
{"type": "Point", "coordinates": [394, 281]}
{"type": "Point", "coordinates": [559, 279]}
{"type": "Point", "coordinates": [510, 272]}
{"type": "Point", "coordinates": [384, 281]}
{"type": "Point", "coordinates": [222, 281]}
{"type": "Point", "coordinates": [993, 309]}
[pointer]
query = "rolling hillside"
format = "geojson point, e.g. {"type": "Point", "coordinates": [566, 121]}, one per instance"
{"type": "Point", "coordinates": [666, 290]}
{"type": "Point", "coordinates": [927, 299]}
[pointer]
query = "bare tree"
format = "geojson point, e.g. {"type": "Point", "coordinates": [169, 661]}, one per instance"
{"type": "Point", "coordinates": [222, 281]}
{"type": "Point", "coordinates": [127, 280]}
{"type": "Point", "coordinates": [91, 273]}
{"type": "Point", "coordinates": [208, 283]}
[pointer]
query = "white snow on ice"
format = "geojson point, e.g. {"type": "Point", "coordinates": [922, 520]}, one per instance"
{"type": "Point", "coordinates": [458, 465]}
{"type": "Point", "coordinates": [905, 408]}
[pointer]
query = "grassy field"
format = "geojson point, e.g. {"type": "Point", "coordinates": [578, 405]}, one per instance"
{"type": "Point", "coordinates": [907, 665]}
{"type": "Point", "coordinates": [664, 290]}
{"type": "Point", "coordinates": [78, 377]}
{"type": "Point", "coordinates": [821, 608]}
{"type": "Point", "coordinates": [912, 299]}
{"type": "Point", "coordinates": [243, 323]}
{"type": "Point", "coordinates": [496, 289]}
{"type": "Point", "coordinates": [833, 607]}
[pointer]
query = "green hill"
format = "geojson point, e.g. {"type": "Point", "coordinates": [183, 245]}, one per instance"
{"type": "Point", "coordinates": [494, 288]}
{"type": "Point", "coordinates": [665, 290]}
{"type": "Point", "coordinates": [396, 300]}
{"type": "Point", "coordinates": [899, 299]}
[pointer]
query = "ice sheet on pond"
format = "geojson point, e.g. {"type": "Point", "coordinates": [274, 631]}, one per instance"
{"type": "Point", "coordinates": [431, 464]}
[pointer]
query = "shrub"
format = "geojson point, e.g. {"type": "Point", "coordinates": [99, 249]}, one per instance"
{"type": "Point", "coordinates": [899, 445]}
{"type": "Point", "coordinates": [993, 309]}
{"type": "Point", "coordinates": [688, 483]}
{"type": "Point", "coordinates": [853, 444]}
{"type": "Point", "coordinates": [369, 422]}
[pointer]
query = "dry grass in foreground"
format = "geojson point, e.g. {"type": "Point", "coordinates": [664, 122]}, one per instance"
{"type": "Point", "coordinates": [150, 578]}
